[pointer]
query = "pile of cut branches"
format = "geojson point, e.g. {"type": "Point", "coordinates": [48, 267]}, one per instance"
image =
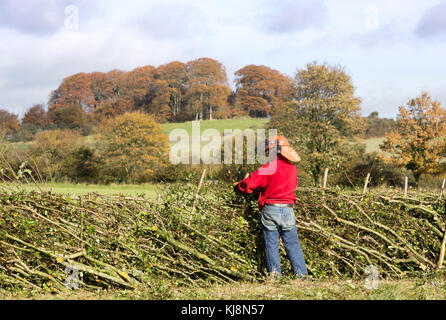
{"type": "Point", "coordinates": [344, 234]}
{"type": "Point", "coordinates": [120, 241]}
{"type": "Point", "coordinates": [47, 239]}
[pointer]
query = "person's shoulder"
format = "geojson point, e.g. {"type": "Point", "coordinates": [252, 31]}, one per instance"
{"type": "Point", "coordinates": [267, 167]}
{"type": "Point", "coordinates": [272, 162]}
{"type": "Point", "coordinates": [284, 161]}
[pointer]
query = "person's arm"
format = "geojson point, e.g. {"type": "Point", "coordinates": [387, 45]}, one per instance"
{"type": "Point", "coordinates": [253, 182]}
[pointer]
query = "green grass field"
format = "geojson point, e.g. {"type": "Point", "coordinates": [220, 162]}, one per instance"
{"type": "Point", "coordinates": [149, 190]}
{"type": "Point", "coordinates": [22, 145]}
{"type": "Point", "coordinates": [372, 144]}
{"type": "Point", "coordinates": [219, 125]}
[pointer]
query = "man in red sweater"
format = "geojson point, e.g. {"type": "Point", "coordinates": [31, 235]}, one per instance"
{"type": "Point", "coordinates": [277, 182]}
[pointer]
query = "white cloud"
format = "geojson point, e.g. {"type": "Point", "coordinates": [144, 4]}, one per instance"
{"type": "Point", "coordinates": [38, 17]}
{"type": "Point", "coordinates": [40, 52]}
{"type": "Point", "coordinates": [163, 22]}
{"type": "Point", "coordinates": [291, 16]}
{"type": "Point", "coordinates": [433, 23]}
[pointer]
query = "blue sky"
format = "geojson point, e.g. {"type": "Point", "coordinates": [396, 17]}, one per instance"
{"type": "Point", "coordinates": [393, 50]}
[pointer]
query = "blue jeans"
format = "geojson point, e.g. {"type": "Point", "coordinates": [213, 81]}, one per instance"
{"type": "Point", "coordinates": [278, 221]}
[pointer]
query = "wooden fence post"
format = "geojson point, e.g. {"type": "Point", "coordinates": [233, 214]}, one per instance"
{"type": "Point", "coordinates": [442, 249]}
{"type": "Point", "coordinates": [196, 197]}
{"type": "Point", "coordinates": [406, 184]}
{"type": "Point", "coordinates": [366, 183]}
{"type": "Point", "coordinates": [325, 178]}
{"type": "Point", "coordinates": [443, 185]}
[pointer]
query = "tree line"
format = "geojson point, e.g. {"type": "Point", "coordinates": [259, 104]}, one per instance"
{"type": "Point", "coordinates": [317, 110]}
{"type": "Point", "coordinates": [174, 92]}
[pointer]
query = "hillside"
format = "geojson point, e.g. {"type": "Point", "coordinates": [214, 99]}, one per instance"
{"type": "Point", "coordinates": [220, 125]}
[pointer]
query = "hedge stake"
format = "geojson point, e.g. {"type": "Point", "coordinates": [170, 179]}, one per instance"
{"type": "Point", "coordinates": [196, 197]}
{"type": "Point", "coordinates": [366, 183]}
{"type": "Point", "coordinates": [443, 245]}
{"type": "Point", "coordinates": [442, 188]}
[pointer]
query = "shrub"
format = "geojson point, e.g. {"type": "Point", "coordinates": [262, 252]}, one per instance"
{"type": "Point", "coordinates": [431, 182]}
{"type": "Point", "coordinates": [381, 173]}
{"type": "Point", "coordinates": [133, 148]}
{"type": "Point", "coordinates": [82, 165]}
{"type": "Point", "coordinates": [26, 133]}
{"type": "Point", "coordinates": [51, 150]}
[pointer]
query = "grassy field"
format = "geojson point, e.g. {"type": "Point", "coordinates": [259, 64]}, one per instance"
{"type": "Point", "coordinates": [271, 290]}
{"type": "Point", "coordinates": [372, 144]}
{"type": "Point", "coordinates": [22, 145]}
{"type": "Point", "coordinates": [149, 190]}
{"type": "Point", "coordinates": [219, 125]}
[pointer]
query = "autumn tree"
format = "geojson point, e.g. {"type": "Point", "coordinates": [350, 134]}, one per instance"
{"type": "Point", "coordinates": [172, 92]}
{"type": "Point", "coordinates": [322, 119]}
{"type": "Point", "coordinates": [418, 141]}
{"type": "Point", "coordinates": [35, 120]}
{"type": "Point", "coordinates": [133, 87]}
{"type": "Point", "coordinates": [51, 149]}
{"type": "Point", "coordinates": [74, 90]}
{"type": "Point", "coordinates": [175, 74]}
{"type": "Point", "coordinates": [106, 91]}
{"type": "Point", "coordinates": [9, 122]}
{"type": "Point", "coordinates": [111, 99]}
{"type": "Point", "coordinates": [133, 148]}
{"type": "Point", "coordinates": [73, 103]}
{"type": "Point", "coordinates": [105, 86]}
{"type": "Point", "coordinates": [158, 100]}
{"type": "Point", "coordinates": [162, 95]}
{"type": "Point", "coordinates": [36, 116]}
{"type": "Point", "coordinates": [112, 109]}
{"type": "Point", "coordinates": [260, 89]}
{"type": "Point", "coordinates": [71, 116]}
{"type": "Point", "coordinates": [207, 88]}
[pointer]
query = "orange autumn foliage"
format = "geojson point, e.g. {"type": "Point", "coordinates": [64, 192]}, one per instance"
{"type": "Point", "coordinates": [172, 92]}
{"type": "Point", "coordinates": [133, 148]}
{"type": "Point", "coordinates": [36, 115]}
{"type": "Point", "coordinates": [9, 122]}
{"type": "Point", "coordinates": [74, 90]}
{"type": "Point", "coordinates": [208, 88]}
{"type": "Point", "coordinates": [260, 89]}
{"type": "Point", "coordinates": [418, 141]}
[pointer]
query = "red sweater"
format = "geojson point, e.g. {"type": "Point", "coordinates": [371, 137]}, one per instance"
{"type": "Point", "coordinates": [276, 187]}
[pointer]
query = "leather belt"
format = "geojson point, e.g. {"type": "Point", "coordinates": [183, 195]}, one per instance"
{"type": "Point", "coordinates": [280, 205]}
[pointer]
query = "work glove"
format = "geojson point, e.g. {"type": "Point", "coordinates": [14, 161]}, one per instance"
{"type": "Point", "coordinates": [236, 189]}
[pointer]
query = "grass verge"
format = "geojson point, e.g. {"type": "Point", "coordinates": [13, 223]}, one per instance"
{"type": "Point", "coordinates": [149, 190]}
{"type": "Point", "coordinates": [270, 290]}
